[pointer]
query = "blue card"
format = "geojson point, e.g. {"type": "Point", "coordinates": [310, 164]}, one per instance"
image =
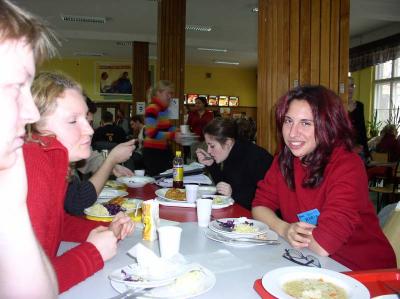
{"type": "Point", "coordinates": [310, 216]}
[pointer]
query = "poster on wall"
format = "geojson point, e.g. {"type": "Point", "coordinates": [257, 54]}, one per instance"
{"type": "Point", "coordinates": [223, 101]}
{"type": "Point", "coordinates": [113, 78]}
{"type": "Point", "coordinates": [191, 98]}
{"type": "Point", "coordinates": [233, 101]}
{"type": "Point", "coordinates": [140, 108]}
{"type": "Point", "coordinates": [174, 108]}
{"type": "Point", "coordinates": [213, 101]}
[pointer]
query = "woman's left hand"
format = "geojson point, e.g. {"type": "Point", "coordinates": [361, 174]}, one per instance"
{"type": "Point", "coordinates": [120, 170]}
{"type": "Point", "coordinates": [224, 189]}
{"type": "Point", "coordinates": [299, 234]}
{"type": "Point", "coordinates": [121, 225]}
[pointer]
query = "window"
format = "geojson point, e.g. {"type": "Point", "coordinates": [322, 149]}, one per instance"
{"type": "Point", "coordinates": [387, 89]}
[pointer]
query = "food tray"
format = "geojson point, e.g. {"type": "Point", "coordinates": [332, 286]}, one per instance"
{"type": "Point", "coordinates": [378, 282]}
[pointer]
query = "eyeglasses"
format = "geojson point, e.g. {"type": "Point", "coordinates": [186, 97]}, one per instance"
{"type": "Point", "coordinates": [298, 257]}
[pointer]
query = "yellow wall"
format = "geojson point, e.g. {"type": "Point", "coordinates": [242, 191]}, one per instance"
{"type": "Point", "coordinates": [364, 92]}
{"type": "Point", "coordinates": [223, 81]}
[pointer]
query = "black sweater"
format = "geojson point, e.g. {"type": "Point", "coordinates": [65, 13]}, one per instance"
{"type": "Point", "coordinates": [80, 195]}
{"type": "Point", "coordinates": [246, 164]}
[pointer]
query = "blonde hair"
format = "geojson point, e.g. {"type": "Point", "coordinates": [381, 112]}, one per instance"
{"type": "Point", "coordinates": [159, 87]}
{"type": "Point", "coordinates": [16, 23]}
{"type": "Point", "coordinates": [46, 88]}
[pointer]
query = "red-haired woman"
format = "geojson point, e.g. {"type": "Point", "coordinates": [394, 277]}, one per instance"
{"type": "Point", "coordinates": [317, 172]}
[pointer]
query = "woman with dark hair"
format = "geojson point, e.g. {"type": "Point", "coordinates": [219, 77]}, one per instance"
{"type": "Point", "coordinates": [317, 173]}
{"type": "Point", "coordinates": [235, 164]}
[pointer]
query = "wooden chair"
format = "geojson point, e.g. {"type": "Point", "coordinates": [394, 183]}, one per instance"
{"type": "Point", "coordinates": [390, 190]}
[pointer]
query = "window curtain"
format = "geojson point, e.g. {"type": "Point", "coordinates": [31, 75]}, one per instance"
{"type": "Point", "coordinates": [375, 53]}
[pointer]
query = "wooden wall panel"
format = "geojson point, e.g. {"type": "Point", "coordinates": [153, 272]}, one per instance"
{"type": "Point", "coordinates": [141, 80]}
{"type": "Point", "coordinates": [344, 49]}
{"type": "Point", "coordinates": [315, 40]}
{"type": "Point", "coordinates": [303, 41]}
{"type": "Point", "coordinates": [325, 42]}
{"type": "Point", "coordinates": [305, 38]}
{"type": "Point", "coordinates": [294, 42]}
{"type": "Point", "coordinates": [171, 45]}
{"type": "Point", "coordinates": [334, 45]}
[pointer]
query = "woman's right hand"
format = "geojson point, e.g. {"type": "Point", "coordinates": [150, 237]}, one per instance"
{"type": "Point", "coordinates": [104, 240]}
{"type": "Point", "coordinates": [204, 157]}
{"type": "Point", "coordinates": [299, 234]}
{"type": "Point", "coordinates": [122, 152]}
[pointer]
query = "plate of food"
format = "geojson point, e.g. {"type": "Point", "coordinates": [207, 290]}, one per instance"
{"type": "Point", "coordinates": [240, 227]}
{"type": "Point", "coordinates": [135, 181]}
{"type": "Point", "coordinates": [179, 195]}
{"type": "Point", "coordinates": [112, 207]}
{"type": "Point", "coordinates": [115, 185]}
{"type": "Point", "coordinates": [108, 193]}
{"type": "Point", "coordinates": [191, 284]}
{"type": "Point", "coordinates": [308, 282]}
{"type": "Point", "coordinates": [220, 201]}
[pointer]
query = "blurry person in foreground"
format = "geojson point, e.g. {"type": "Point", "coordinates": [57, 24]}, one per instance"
{"type": "Point", "coordinates": [25, 270]}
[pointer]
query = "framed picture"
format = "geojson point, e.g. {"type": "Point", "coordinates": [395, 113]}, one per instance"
{"type": "Point", "coordinates": [113, 78]}
{"type": "Point", "coordinates": [213, 100]}
{"type": "Point", "coordinates": [233, 101]}
{"type": "Point", "coordinates": [223, 101]}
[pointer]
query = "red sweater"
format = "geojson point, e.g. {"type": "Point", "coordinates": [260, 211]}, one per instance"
{"type": "Point", "coordinates": [197, 122]}
{"type": "Point", "coordinates": [46, 167]}
{"type": "Point", "coordinates": [348, 227]}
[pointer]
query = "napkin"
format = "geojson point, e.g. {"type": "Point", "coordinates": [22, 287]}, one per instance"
{"type": "Point", "coordinates": [152, 267]}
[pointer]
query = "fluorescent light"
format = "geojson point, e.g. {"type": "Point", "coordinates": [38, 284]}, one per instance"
{"type": "Point", "coordinates": [88, 54]}
{"type": "Point", "coordinates": [212, 50]}
{"type": "Point", "coordinates": [124, 43]}
{"type": "Point", "coordinates": [83, 19]}
{"type": "Point", "coordinates": [226, 62]}
{"type": "Point", "coordinates": [202, 28]}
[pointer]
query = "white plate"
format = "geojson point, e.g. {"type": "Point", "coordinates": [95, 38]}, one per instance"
{"type": "Point", "coordinates": [108, 193]}
{"type": "Point", "coordinates": [191, 166]}
{"type": "Point", "coordinates": [135, 181]}
{"type": "Point", "coordinates": [261, 227]}
{"type": "Point", "coordinates": [217, 237]}
{"type": "Point", "coordinates": [203, 190]}
{"type": "Point", "coordinates": [133, 200]}
{"type": "Point", "coordinates": [205, 283]}
{"type": "Point", "coordinates": [220, 201]}
{"type": "Point", "coordinates": [113, 184]}
{"type": "Point", "coordinates": [274, 280]}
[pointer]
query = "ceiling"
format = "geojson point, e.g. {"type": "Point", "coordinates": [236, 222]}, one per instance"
{"type": "Point", "coordinates": [234, 26]}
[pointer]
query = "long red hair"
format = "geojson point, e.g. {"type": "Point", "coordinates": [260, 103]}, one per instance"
{"type": "Point", "coordinates": [332, 129]}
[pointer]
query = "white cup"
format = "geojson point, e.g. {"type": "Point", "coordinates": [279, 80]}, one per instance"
{"type": "Point", "coordinates": [191, 192]}
{"type": "Point", "coordinates": [169, 238]}
{"type": "Point", "coordinates": [185, 129]}
{"type": "Point", "coordinates": [139, 172]}
{"type": "Point", "coordinates": [204, 207]}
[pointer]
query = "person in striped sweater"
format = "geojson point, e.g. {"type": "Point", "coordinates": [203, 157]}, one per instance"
{"type": "Point", "coordinates": [159, 131]}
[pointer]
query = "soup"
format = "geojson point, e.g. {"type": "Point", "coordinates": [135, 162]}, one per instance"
{"type": "Point", "coordinates": [314, 289]}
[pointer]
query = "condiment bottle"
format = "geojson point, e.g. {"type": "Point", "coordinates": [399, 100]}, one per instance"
{"type": "Point", "coordinates": [177, 165]}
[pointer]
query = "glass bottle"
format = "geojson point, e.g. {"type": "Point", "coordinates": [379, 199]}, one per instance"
{"type": "Point", "coordinates": [177, 165]}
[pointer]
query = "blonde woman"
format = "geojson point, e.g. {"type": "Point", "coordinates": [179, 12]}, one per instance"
{"type": "Point", "coordinates": [63, 135]}
{"type": "Point", "coordinates": [25, 270]}
{"type": "Point", "coordinates": [157, 155]}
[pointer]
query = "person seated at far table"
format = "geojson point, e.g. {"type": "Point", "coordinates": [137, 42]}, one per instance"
{"type": "Point", "coordinates": [109, 134]}
{"type": "Point", "coordinates": [235, 164]}
{"type": "Point", "coordinates": [316, 171]}
{"type": "Point", "coordinates": [61, 136]}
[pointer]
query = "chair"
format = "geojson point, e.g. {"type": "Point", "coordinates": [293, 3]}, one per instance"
{"type": "Point", "coordinates": [379, 157]}
{"type": "Point", "coordinates": [390, 189]}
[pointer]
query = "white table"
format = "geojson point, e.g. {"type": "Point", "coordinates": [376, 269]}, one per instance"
{"type": "Point", "coordinates": [257, 260]}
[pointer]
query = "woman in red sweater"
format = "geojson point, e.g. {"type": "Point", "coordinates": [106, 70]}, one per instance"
{"type": "Point", "coordinates": [63, 135]}
{"type": "Point", "coordinates": [316, 171]}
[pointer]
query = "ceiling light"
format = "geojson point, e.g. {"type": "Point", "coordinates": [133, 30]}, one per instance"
{"type": "Point", "coordinates": [202, 28]}
{"type": "Point", "coordinates": [94, 54]}
{"type": "Point", "coordinates": [226, 62]}
{"type": "Point", "coordinates": [254, 9]}
{"type": "Point", "coordinates": [212, 50]}
{"type": "Point", "coordinates": [83, 19]}
{"type": "Point", "coordinates": [124, 43]}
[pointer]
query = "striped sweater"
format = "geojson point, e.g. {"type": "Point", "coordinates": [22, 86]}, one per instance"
{"type": "Point", "coordinates": [158, 127]}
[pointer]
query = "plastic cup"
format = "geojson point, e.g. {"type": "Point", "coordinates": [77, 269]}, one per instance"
{"type": "Point", "coordinates": [191, 192]}
{"type": "Point", "coordinates": [204, 207]}
{"type": "Point", "coordinates": [169, 240]}
{"type": "Point", "coordinates": [139, 172]}
{"type": "Point", "coordinates": [185, 129]}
